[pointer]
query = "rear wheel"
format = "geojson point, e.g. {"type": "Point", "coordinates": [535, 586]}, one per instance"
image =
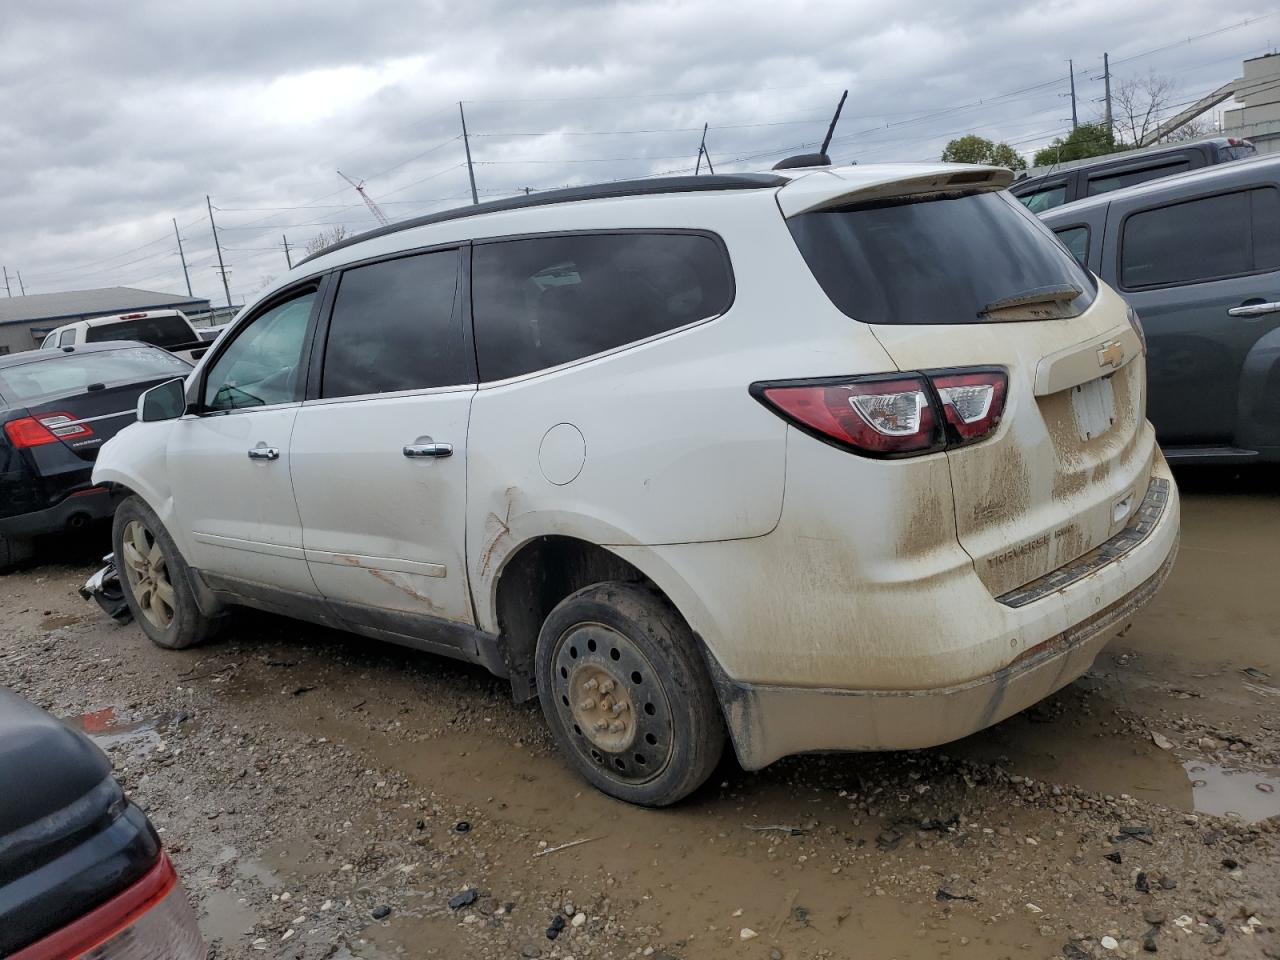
{"type": "Point", "coordinates": [626, 695]}
{"type": "Point", "coordinates": [13, 551]}
{"type": "Point", "coordinates": [155, 579]}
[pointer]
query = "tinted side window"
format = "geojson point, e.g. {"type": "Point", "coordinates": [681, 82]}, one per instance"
{"type": "Point", "coordinates": [1076, 239]}
{"type": "Point", "coordinates": [263, 364]}
{"type": "Point", "coordinates": [396, 326]}
{"type": "Point", "coordinates": [1204, 239]}
{"type": "Point", "coordinates": [1114, 181]}
{"type": "Point", "coordinates": [1046, 199]}
{"type": "Point", "coordinates": [550, 300]}
{"type": "Point", "coordinates": [1266, 228]}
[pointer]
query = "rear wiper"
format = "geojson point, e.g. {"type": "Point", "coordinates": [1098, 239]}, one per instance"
{"type": "Point", "coordinates": [1058, 293]}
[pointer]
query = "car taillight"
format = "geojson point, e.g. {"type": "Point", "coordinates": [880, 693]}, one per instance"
{"type": "Point", "coordinates": [150, 920]}
{"type": "Point", "coordinates": [881, 416]}
{"type": "Point", "coordinates": [50, 428]}
{"type": "Point", "coordinates": [892, 415]}
{"type": "Point", "coordinates": [972, 403]}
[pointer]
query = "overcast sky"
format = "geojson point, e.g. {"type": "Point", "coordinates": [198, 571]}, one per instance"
{"type": "Point", "coordinates": [117, 117]}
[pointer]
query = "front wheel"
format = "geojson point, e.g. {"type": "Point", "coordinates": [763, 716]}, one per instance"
{"type": "Point", "coordinates": [155, 579]}
{"type": "Point", "coordinates": [626, 695]}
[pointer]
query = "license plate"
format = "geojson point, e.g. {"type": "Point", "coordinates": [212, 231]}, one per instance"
{"type": "Point", "coordinates": [1094, 406]}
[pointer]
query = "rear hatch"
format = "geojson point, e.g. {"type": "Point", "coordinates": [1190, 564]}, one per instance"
{"type": "Point", "coordinates": [957, 274]}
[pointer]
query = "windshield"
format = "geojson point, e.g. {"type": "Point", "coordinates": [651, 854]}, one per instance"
{"type": "Point", "coordinates": [68, 373]}
{"type": "Point", "coordinates": [169, 330]}
{"type": "Point", "coordinates": [939, 259]}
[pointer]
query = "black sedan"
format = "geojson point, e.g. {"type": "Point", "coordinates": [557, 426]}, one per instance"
{"type": "Point", "coordinates": [57, 408]}
{"type": "Point", "coordinates": [82, 872]}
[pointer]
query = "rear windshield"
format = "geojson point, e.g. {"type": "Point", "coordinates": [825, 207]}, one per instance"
{"type": "Point", "coordinates": [165, 331]}
{"type": "Point", "coordinates": [944, 259]}
{"type": "Point", "coordinates": [61, 374]}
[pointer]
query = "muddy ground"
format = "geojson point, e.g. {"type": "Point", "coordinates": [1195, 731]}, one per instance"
{"type": "Point", "coordinates": [329, 796]}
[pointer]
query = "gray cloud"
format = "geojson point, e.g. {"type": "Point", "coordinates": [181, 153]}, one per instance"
{"type": "Point", "coordinates": [117, 117]}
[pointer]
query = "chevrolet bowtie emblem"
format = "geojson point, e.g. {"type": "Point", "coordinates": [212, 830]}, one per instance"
{"type": "Point", "coordinates": [1111, 354]}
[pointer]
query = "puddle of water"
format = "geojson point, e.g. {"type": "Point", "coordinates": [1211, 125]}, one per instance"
{"type": "Point", "coordinates": [1222, 791]}
{"type": "Point", "coordinates": [107, 730]}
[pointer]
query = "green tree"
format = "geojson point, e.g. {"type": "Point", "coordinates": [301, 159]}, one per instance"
{"type": "Point", "coordinates": [975, 149]}
{"type": "Point", "coordinates": [1086, 140]}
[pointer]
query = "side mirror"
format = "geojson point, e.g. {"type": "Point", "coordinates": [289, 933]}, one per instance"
{"type": "Point", "coordinates": [168, 401]}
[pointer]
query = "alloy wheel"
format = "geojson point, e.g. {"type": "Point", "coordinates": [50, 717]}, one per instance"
{"type": "Point", "coordinates": [148, 574]}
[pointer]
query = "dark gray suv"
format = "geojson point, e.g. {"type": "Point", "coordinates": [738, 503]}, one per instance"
{"type": "Point", "coordinates": [1198, 257]}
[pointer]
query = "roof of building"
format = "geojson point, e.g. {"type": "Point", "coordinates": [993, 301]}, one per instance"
{"type": "Point", "coordinates": [74, 304]}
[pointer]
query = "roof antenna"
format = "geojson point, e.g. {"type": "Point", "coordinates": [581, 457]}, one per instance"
{"type": "Point", "coordinates": [832, 129]}
{"type": "Point", "coordinates": [819, 159]}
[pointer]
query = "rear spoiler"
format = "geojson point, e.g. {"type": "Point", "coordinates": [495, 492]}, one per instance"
{"type": "Point", "coordinates": [840, 186]}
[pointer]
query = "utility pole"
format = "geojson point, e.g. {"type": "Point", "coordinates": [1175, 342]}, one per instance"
{"type": "Point", "coordinates": [287, 259]}
{"type": "Point", "coordinates": [21, 286]}
{"type": "Point", "coordinates": [1072, 68]}
{"type": "Point", "coordinates": [466, 145]}
{"type": "Point", "coordinates": [1106, 79]}
{"type": "Point", "coordinates": [182, 256]}
{"type": "Point", "coordinates": [6, 281]}
{"type": "Point", "coordinates": [702, 152]}
{"type": "Point", "coordinates": [222, 268]}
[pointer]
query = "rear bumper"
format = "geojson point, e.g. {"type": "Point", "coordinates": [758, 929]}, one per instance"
{"type": "Point", "coordinates": [91, 504]}
{"type": "Point", "coordinates": [1060, 623]}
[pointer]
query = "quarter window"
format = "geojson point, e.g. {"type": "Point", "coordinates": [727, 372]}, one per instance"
{"type": "Point", "coordinates": [550, 300]}
{"type": "Point", "coordinates": [396, 326]}
{"type": "Point", "coordinates": [263, 364]}
{"type": "Point", "coordinates": [1076, 239]}
{"type": "Point", "coordinates": [1212, 238]}
{"type": "Point", "coordinates": [1046, 199]}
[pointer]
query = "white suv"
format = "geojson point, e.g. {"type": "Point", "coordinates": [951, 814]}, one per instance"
{"type": "Point", "coordinates": [828, 459]}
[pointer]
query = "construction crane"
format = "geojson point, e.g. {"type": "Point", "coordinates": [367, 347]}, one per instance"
{"type": "Point", "coordinates": [368, 201]}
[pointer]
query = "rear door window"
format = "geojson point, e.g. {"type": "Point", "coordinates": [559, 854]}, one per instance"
{"type": "Point", "coordinates": [1211, 238]}
{"type": "Point", "coordinates": [936, 260]}
{"type": "Point", "coordinates": [545, 301]}
{"type": "Point", "coordinates": [1106, 182]}
{"type": "Point", "coordinates": [397, 325]}
{"type": "Point", "coordinates": [164, 331]}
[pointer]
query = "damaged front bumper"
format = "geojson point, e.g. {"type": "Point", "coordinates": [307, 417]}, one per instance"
{"type": "Point", "coordinates": [104, 588]}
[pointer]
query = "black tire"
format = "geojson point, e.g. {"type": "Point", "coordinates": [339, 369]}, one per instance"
{"type": "Point", "coordinates": [187, 626]}
{"type": "Point", "coordinates": [13, 552]}
{"type": "Point", "coordinates": [670, 734]}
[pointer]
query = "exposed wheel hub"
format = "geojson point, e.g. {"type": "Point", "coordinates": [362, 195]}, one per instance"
{"type": "Point", "coordinates": [612, 703]}
{"type": "Point", "coordinates": [602, 707]}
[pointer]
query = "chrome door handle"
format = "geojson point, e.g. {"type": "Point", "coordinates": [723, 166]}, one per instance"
{"type": "Point", "coordinates": [416, 451]}
{"type": "Point", "coordinates": [263, 452]}
{"type": "Point", "coordinates": [1254, 309]}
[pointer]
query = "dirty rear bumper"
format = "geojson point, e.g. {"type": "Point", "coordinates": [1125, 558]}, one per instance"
{"type": "Point", "coordinates": [767, 721]}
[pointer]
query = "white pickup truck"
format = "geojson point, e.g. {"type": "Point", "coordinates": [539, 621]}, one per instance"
{"type": "Point", "coordinates": [168, 329]}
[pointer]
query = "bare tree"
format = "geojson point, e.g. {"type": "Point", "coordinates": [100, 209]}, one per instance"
{"type": "Point", "coordinates": [1196, 129]}
{"type": "Point", "coordinates": [1136, 105]}
{"type": "Point", "coordinates": [324, 240]}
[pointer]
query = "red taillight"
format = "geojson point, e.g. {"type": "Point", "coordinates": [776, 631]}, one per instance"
{"type": "Point", "coordinates": [50, 428]}
{"type": "Point", "coordinates": [880, 416]}
{"type": "Point", "coordinates": [149, 920]}
{"type": "Point", "coordinates": [972, 403]}
{"type": "Point", "coordinates": [892, 415]}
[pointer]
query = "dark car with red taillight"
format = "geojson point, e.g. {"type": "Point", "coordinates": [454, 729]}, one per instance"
{"type": "Point", "coordinates": [57, 408]}
{"type": "Point", "coordinates": [82, 871]}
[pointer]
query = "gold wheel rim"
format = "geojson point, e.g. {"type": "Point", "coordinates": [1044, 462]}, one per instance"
{"type": "Point", "coordinates": [148, 574]}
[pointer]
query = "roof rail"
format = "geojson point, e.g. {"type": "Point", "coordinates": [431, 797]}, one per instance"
{"type": "Point", "coordinates": [599, 191]}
